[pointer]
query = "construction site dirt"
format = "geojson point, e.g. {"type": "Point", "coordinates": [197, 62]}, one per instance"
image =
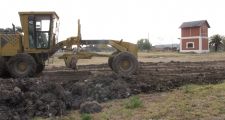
{"type": "Point", "coordinates": [58, 90]}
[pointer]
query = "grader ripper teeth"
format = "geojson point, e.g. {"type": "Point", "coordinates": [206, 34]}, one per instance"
{"type": "Point", "coordinates": [23, 53]}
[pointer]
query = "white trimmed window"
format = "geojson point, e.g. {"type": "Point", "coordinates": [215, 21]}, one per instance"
{"type": "Point", "coordinates": [190, 45]}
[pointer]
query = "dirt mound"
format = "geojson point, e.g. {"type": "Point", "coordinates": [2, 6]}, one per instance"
{"type": "Point", "coordinates": [101, 88]}
{"type": "Point", "coordinates": [25, 98]}
{"type": "Point", "coordinates": [56, 92]}
{"type": "Point", "coordinates": [21, 99]}
{"type": "Point", "coordinates": [90, 107]}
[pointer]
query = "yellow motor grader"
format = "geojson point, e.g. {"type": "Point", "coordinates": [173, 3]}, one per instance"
{"type": "Point", "coordinates": [23, 54]}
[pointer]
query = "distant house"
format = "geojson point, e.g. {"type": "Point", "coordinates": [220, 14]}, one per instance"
{"type": "Point", "coordinates": [194, 36]}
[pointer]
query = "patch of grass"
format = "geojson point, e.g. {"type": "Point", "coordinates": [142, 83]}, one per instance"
{"type": "Point", "coordinates": [159, 54]}
{"type": "Point", "coordinates": [134, 102]}
{"type": "Point", "coordinates": [188, 88]}
{"type": "Point", "coordinates": [191, 88]}
{"type": "Point", "coordinates": [222, 110]}
{"type": "Point", "coordinates": [86, 117]}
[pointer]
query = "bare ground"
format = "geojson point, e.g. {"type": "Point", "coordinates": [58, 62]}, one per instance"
{"type": "Point", "coordinates": [59, 89]}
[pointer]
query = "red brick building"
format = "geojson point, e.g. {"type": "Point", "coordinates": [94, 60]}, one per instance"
{"type": "Point", "coordinates": [194, 36]}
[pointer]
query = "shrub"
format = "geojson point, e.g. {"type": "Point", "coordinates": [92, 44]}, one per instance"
{"type": "Point", "coordinates": [134, 102]}
{"type": "Point", "coordinates": [85, 117]}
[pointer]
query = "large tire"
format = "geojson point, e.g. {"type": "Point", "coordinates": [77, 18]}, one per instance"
{"type": "Point", "coordinates": [22, 65]}
{"type": "Point", "coordinates": [2, 66]}
{"type": "Point", "coordinates": [40, 68]}
{"type": "Point", "coordinates": [125, 64]}
{"type": "Point", "coordinates": [110, 59]}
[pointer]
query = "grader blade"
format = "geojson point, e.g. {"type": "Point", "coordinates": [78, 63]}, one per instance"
{"type": "Point", "coordinates": [123, 61]}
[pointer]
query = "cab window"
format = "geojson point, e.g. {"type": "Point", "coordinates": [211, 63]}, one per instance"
{"type": "Point", "coordinates": [39, 31]}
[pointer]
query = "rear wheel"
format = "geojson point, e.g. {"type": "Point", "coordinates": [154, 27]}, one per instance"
{"type": "Point", "coordinates": [22, 65]}
{"type": "Point", "coordinates": [125, 64]}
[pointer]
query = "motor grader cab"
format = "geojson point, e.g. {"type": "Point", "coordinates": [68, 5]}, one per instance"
{"type": "Point", "coordinates": [40, 31]}
{"type": "Point", "coordinates": [24, 54]}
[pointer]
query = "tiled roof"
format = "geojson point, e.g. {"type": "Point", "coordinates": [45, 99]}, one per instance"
{"type": "Point", "coordinates": [194, 24]}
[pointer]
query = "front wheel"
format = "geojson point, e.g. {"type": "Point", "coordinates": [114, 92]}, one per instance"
{"type": "Point", "coordinates": [110, 59]}
{"type": "Point", "coordinates": [22, 65]}
{"type": "Point", "coordinates": [125, 64]}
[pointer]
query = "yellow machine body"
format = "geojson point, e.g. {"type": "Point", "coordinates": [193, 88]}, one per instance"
{"type": "Point", "coordinates": [10, 44]}
{"type": "Point", "coordinates": [23, 54]}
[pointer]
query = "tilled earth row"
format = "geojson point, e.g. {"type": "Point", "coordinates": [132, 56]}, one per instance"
{"type": "Point", "coordinates": [58, 90]}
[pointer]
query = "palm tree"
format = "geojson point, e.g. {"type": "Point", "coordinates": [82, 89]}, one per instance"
{"type": "Point", "coordinates": [216, 41]}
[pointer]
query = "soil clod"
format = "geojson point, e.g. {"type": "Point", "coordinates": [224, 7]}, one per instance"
{"type": "Point", "coordinates": [90, 107]}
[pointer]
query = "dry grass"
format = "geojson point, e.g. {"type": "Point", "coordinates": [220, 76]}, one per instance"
{"type": "Point", "coordinates": [188, 102]}
{"type": "Point", "coordinates": [182, 57]}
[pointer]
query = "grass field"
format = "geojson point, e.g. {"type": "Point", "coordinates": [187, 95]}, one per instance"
{"type": "Point", "coordinates": [182, 57]}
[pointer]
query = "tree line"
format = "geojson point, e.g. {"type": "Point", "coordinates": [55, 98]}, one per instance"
{"type": "Point", "coordinates": [216, 43]}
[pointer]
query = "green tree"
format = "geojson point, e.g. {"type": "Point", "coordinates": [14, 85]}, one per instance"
{"type": "Point", "coordinates": [144, 44]}
{"type": "Point", "coordinates": [216, 41]}
{"type": "Point", "coordinates": [223, 41]}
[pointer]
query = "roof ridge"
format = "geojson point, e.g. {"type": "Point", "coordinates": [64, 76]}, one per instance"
{"type": "Point", "coordinates": [197, 23]}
